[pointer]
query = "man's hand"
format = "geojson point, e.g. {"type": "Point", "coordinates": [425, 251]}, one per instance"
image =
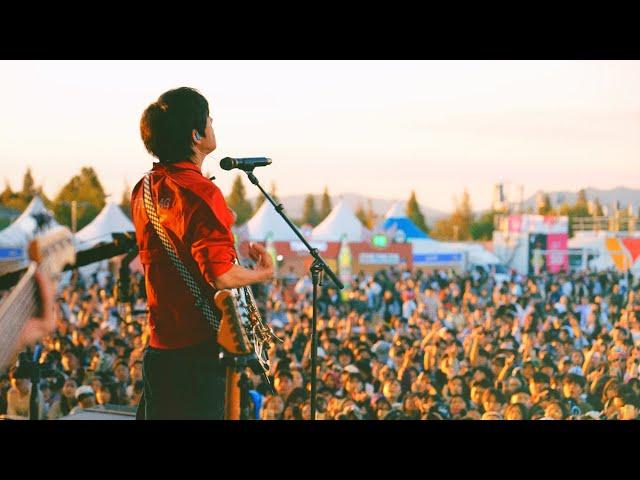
{"type": "Point", "coordinates": [44, 323]}
{"type": "Point", "coordinates": [263, 260]}
{"type": "Point", "coordinates": [239, 276]}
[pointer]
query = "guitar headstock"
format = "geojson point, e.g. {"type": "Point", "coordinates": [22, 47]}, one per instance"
{"type": "Point", "coordinates": [54, 248]}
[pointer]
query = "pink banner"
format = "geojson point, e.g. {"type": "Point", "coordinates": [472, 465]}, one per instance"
{"type": "Point", "coordinates": [557, 260]}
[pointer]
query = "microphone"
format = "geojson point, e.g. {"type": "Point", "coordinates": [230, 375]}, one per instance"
{"type": "Point", "coordinates": [246, 164]}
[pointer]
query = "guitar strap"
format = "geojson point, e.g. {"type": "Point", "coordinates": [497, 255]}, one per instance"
{"type": "Point", "coordinates": [202, 302]}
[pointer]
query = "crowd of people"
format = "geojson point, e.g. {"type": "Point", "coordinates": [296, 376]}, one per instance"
{"type": "Point", "coordinates": [392, 345]}
{"type": "Point", "coordinates": [403, 345]}
{"type": "Point", "coordinates": [93, 359]}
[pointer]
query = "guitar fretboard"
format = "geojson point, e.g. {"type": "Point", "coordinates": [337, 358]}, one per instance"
{"type": "Point", "coordinates": [15, 310]}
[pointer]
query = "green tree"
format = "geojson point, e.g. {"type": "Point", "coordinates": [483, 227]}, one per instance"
{"type": "Point", "coordinates": [28, 187]}
{"type": "Point", "coordinates": [368, 216]}
{"type": "Point", "coordinates": [597, 211]}
{"type": "Point", "coordinates": [87, 191]}
{"type": "Point", "coordinates": [581, 207]}
{"type": "Point", "coordinates": [546, 208]}
{"type": "Point", "coordinates": [443, 229]}
{"type": "Point", "coordinates": [458, 225]}
{"type": "Point", "coordinates": [482, 228]}
{"type": "Point", "coordinates": [309, 211]}
{"type": "Point", "coordinates": [238, 202]}
{"type": "Point", "coordinates": [7, 196]}
{"type": "Point", "coordinates": [325, 205]}
{"type": "Point", "coordinates": [462, 218]}
{"type": "Point", "coordinates": [415, 214]}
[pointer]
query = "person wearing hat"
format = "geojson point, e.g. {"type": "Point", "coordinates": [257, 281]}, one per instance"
{"type": "Point", "coordinates": [381, 349]}
{"type": "Point", "coordinates": [86, 399]}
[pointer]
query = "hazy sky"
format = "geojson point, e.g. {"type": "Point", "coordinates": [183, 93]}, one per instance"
{"type": "Point", "coordinates": [379, 128]}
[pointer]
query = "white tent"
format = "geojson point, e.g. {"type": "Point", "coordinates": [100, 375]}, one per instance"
{"type": "Point", "coordinates": [16, 237]}
{"type": "Point", "coordinates": [267, 221]}
{"type": "Point", "coordinates": [397, 210]}
{"type": "Point", "coordinates": [341, 221]}
{"type": "Point", "coordinates": [21, 231]}
{"type": "Point", "coordinates": [476, 253]}
{"type": "Point", "coordinates": [110, 220]}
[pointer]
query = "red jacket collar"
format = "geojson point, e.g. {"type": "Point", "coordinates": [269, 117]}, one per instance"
{"type": "Point", "coordinates": [182, 165]}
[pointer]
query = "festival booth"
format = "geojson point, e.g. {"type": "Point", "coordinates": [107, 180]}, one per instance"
{"type": "Point", "coordinates": [426, 253]}
{"type": "Point", "coordinates": [341, 239]}
{"type": "Point", "coordinates": [533, 243]}
{"type": "Point", "coordinates": [110, 220]}
{"type": "Point", "coordinates": [15, 238]}
{"type": "Point", "coordinates": [398, 226]}
{"type": "Point", "coordinates": [606, 250]}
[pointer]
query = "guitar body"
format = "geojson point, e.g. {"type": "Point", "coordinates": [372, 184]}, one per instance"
{"type": "Point", "coordinates": [232, 335]}
{"type": "Point", "coordinates": [245, 339]}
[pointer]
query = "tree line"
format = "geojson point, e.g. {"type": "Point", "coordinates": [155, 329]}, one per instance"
{"type": "Point", "coordinates": [85, 188]}
{"type": "Point", "coordinates": [462, 224]}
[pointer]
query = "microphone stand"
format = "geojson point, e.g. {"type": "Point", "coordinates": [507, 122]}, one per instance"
{"type": "Point", "coordinates": [318, 267]}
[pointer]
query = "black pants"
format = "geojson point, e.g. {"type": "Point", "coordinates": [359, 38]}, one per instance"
{"type": "Point", "coordinates": [183, 384]}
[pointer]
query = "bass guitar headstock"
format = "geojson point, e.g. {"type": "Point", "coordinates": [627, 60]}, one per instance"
{"type": "Point", "coordinates": [53, 250]}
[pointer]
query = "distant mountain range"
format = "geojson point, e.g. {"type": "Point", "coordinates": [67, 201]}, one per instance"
{"type": "Point", "coordinates": [624, 196]}
{"type": "Point", "coordinates": [293, 205]}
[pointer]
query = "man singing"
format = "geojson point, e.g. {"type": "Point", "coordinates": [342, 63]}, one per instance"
{"type": "Point", "coordinates": [183, 378]}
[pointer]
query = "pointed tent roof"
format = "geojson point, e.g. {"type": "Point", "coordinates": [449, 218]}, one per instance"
{"type": "Point", "coordinates": [266, 220]}
{"type": "Point", "coordinates": [341, 221]}
{"type": "Point", "coordinates": [21, 231]}
{"type": "Point", "coordinates": [111, 219]}
{"type": "Point", "coordinates": [397, 210]}
{"type": "Point", "coordinates": [396, 219]}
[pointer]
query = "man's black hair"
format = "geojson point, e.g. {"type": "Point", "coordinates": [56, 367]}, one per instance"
{"type": "Point", "coordinates": [540, 377]}
{"type": "Point", "coordinates": [284, 373]}
{"type": "Point", "coordinates": [166, 125]}
{"type": "Point", "coordinates": [570, 378]}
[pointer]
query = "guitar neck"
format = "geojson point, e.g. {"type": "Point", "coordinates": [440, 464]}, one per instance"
{"type": "Point", "coordinates": [15, 310]}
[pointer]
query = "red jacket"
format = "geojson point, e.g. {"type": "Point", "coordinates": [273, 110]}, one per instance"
{"type": "Point", "coordinates": [198, 222]}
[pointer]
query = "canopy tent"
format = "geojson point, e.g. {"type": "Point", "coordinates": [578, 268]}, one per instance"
{"type": "Point", "coordinates": [110, 220]}
{"type": "Point", "coordinates": [16, 237]}
{"type": "Point", "coordinates": [340, 222]}
{"type": "Point", "coordinates": [267, 222]}
{"type": "Point", "coordinates": [22, 230]}
{"type": "Point", "coordinates": [399, 226]}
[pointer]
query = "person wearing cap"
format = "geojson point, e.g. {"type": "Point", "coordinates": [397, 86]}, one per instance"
{"type": "Point", "coordinates": [86, 399]}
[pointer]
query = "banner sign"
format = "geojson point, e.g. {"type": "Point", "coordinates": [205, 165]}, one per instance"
{"type": "Point", "coordinates": [538, 224]}
{"type": "Point", "coordinates": [298, 246]}
{"type": "Point", "coordinates": [558, 260]}
{"type": "Point", "coordinates": [371, 258]}
{"type": "Point", "coordinates": [11, 253]}
{"type": "Point", "coordinates": [435, 258]}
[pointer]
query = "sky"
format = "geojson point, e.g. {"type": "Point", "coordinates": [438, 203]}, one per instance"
{"type": "Point", "coordinates": [378, 128]}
